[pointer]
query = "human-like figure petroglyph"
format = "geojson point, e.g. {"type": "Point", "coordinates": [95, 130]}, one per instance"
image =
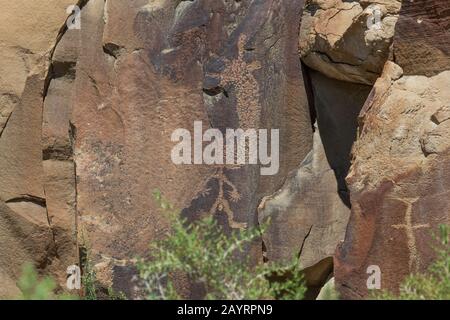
{"type": "Point", "coordinates": [414, 262]}
{"type": "Point", "coordinates": [222, 202]}
{"type": "Point", "coordinates": [238, 73]}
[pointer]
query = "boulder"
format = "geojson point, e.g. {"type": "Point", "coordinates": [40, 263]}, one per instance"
{"type": "Point", "coordinates": [348, 40]}
{"type": "Point", "coordinates": [309, 214]}
{"type": "Point", "coordinates": [398, 183]}
{"type": "Point", "coordinates": [396, 202]}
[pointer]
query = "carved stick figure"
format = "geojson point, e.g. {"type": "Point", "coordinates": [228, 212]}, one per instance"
{"type": "Point", "coordinates": [414, 262]}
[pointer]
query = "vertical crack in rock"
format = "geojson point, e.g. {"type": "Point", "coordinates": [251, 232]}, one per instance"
{"type": "Point", "coordinates": [57, 155]}
{"type": "Point", "coordinates": [61, 33]}
{"type": "Point", "coordinates": [303, 242]}
{"type": "Point", "coordinates": [312, 209]}
{"type": "Point", "coordinates": [25, 222]}
{"type": "Point", "coordinates": [5, 124]}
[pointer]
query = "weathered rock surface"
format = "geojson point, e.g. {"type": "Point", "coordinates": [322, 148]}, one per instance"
{"type": "Point", "coordinates": [398, 180]}
{"type": "Point", "coordinates": [295, 223]}
{"type": "Point", "coordinates": [28, 31]}
{"type": "Point", "coordinates": [148, 68]}
{"type": "Point", "coordinates": [307, 218]}
{"type": "Point", "coordinates": [86, 118]}
{"type": "Point", "coordinates": [348, 40]}
{"type": "Point", "coordinates": [57, 150]}
{"type": "Point", "coordinates": [309, 214]}
{"type": "Point", "coordinates": [422, 45]}
{"type": "Point", "coordinates": [23, 212]}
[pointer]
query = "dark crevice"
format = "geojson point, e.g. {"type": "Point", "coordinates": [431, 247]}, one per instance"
{"type": "Point", "coordinates": [309, 95]}
{"type": "Point", "coordinates": [72, 133]}
{"type": "Point", "coordinates": [57, 153]}
{"type": "Point", "coordinates": [49, 221]}
{"type": "Point", "coordinates": [63, 69]}
{"type": "Point", "coordinates": [29, 198]}
{"type": "Point", "coordinates": [112, 50]}
{"type": "Point", "coordinates": [304, 241]}
{"type": "Point", "coordinates": [215, 91]}
{"type": "Point", "coordinates": [61, 33]}
{"type": "Point", "coordinates": [335, 107]}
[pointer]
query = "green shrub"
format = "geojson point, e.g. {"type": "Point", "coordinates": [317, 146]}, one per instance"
{"type": "Point", "coordinates": [206, 256]}
{"type": "Point", "coordinates": [328, 291]}
{"type": "Point", "coordinates": [89, 279]}
{"type": "Point", "coordinates": [433, 285]}
{"type": "Point", "coordinates": [90, 284]}
{"type": "Point", "coordinates": [33, 288]}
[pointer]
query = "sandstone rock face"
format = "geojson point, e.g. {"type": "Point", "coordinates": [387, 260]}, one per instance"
{"type": "Point", "coordinates": [307, 218]}
{"type": "Point", "coordinates": [348, 40]}
{"type": "Point", "coordinates": [88, 134]}
{"type": "Point", "coordinates": [397, 181]}
{"type": "Point", "coordinates": [309, 215]}
{"type": "Point", "coordinates": [146, 69]}
{"type": "Point", "coordinates": [87, 116]}
{"type": "Point", "coordinates": [422, 36]}
{"type": "Point", "coordinates": [402, 129]}
{"type": "Point", "coordinates": [293, 223]}
{"type": "Point", "coordinates": [23, 49]}
{"type": "Point", "coordinates": [29, 200]}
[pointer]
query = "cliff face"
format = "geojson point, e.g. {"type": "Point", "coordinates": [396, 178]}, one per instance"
{"type": "Point", "coordinates": [358, 91]}
{"type": "Point", "coordinates": [29, 186]}
{"type": "Point", "coordinates": [398, 180]}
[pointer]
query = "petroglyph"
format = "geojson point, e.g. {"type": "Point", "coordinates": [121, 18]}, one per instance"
{"type": "Point", "coordinates": [414, 262]}
{"type": "Point", "coordinates": [239, 73]}
{"type": "Point", "coordinates": [223, 199]}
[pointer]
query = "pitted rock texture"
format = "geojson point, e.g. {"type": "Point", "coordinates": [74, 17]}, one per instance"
{"type": "Point", "coordinates": [422, 37]}
{"type": "Point", "coordinates": [147, 68]}
{"type": "Point", "coordinates": [86, 118]}
{"type": "Point", "coordinates": [309, 215]}
{"type": "Point", "coordinates": [348, 40]}
{"type": "Point", "coordinates": [396, 203]}
{"type": "Point", "coordinates": [398, 183]}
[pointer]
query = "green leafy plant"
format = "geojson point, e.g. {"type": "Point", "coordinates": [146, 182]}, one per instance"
{"type": "Point", "coordinates": [328, 291]}
{"type": "Point", "coordinates": [113, 295]}
{"type": "Point", "coordinates": [33, 287]}
{"type": "Point", "coordinates": [207, 257]}
{"type": "Point", "coordinates": [89, 278]}
{"type": "Point", "coordinates": [91, 288]}
{"type": "Point", "coordinates": [433, 285]}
